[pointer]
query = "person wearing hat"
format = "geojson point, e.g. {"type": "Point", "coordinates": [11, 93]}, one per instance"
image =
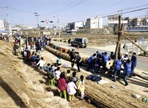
{"type": "Point", "coordinates": [125, 57]}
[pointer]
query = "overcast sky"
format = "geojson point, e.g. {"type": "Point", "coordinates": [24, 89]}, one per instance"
{"type": "Point", "coordinates": [22, 11]}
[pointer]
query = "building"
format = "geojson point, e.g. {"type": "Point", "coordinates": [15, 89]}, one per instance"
{"type": "Point", "coordinates": [75, 25]}
{"type": "Point", "coordinates": [137, 22]}
{"type": "Point", "coordinates": [2, 25]}
{"type": "Point", "coordinates": [93, 23]}
{"type": "Point", "coordinates": [129, 21]}
{"type": "Point", "coordinates": [145, 21]}
{"type": "Point", "coordinates": [114, 19]}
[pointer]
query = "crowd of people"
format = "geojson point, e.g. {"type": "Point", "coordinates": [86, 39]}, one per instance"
{"type": "Point", "coordinates": [98, 61]}
{"type": "Point", "coordinates": [67, 82]}
{"type": "Point", "coordinates": [123, 63]}
{"type": "Point", "coordinates": [4, 37]}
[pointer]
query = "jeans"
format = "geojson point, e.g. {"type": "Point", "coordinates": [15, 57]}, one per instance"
{"type": "Point", "coordinates": [132, 70]}
{"type": "Point", "coordinates": [124, 78]}
{"type": "Point", "coordinates": [89, 66]}
{"type": "Point", "coordinates": [115, 73]}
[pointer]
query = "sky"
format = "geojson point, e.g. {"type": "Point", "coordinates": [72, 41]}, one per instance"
{"type": "Point", "coordinates": [22, 11]}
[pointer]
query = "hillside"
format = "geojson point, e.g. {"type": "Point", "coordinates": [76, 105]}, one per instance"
{"type": "Point", "coordinates": [20, 84]}
{"type": "Point", "coordinates": [25, 87]}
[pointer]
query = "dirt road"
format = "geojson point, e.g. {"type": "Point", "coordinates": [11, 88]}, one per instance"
{"type": "Point", "coordinates": [86, 52]}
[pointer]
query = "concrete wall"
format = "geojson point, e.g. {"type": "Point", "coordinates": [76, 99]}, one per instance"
{"type": "Point", "coordinates": [132, 48]}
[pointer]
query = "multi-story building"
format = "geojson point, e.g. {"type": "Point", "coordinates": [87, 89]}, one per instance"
{"type": "Point", "coordinates": [75, 25]}
{"type": "Point", "coordinates": [93, 23]}
{"type": "Point", "coordinates": [114, 19]}
{"type": "Point", "coordinates": [4, 25]}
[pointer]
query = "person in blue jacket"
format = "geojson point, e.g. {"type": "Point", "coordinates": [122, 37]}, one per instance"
{"type": "Point", "coordinates": [127, 71]}
{"type": "Point", "coordinates": [89, 61]}
{"type": "Point", "coordinates": [133, 63]}
{"type": "Point", "coordinates": [105, 59]}
{"type": "Point", "coordinates": [118, 64]}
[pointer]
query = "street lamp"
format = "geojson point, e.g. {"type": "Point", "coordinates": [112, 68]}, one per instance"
{"type": "Point", "coordinates": [58, 25]}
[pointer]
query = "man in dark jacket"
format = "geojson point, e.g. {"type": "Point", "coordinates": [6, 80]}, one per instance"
{"type": "Point", "coordinates": [78, 61]}
{"type": "Point", "coordinates": [72, 57]}
{"type": "Point", "coordinates": [133, 63]}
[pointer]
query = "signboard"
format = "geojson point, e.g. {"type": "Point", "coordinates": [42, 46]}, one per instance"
{"type": "Point", "coordinates": [46, 33]}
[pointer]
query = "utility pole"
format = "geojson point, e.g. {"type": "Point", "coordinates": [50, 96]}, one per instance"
{"type": "Point", "coordinates": [58, 26]}
{"type": "Point", "coordinates": [118, 46]}
{"type": "Point", "coordinates": [7, 25]}
{"type": "Point", "coordinates": [36, 14]}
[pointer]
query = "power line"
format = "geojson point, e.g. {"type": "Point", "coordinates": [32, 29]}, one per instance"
{"type": "Point", "coordinates": [108, 6]}
{"type": "Point", "coordinates": [133, 7]}
{"type": "Point", "coordinates": [21, 10]}
{"type": "Point", "coordinates": [118, 14]}
{"type": "Point", "coordinates": [74, 5]}
{"type": "Point", "coordinates": [135, 10]}
{"type": "Point", "coordinates": [68, 6]}
{"type": "Point", "coordinates": [127, 12]}
{"type": "Point", "coordinates": [60, 8]}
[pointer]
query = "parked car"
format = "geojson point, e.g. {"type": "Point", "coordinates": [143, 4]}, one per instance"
{"type": "Point", "coordinates": [81, 42]}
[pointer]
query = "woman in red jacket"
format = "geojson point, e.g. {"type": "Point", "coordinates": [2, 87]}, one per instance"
{"type": "Point", "coordinates": [62, 85]}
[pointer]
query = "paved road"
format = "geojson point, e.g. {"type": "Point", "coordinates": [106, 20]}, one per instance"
{"type": "Point", "coordinates": [142, 61]}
